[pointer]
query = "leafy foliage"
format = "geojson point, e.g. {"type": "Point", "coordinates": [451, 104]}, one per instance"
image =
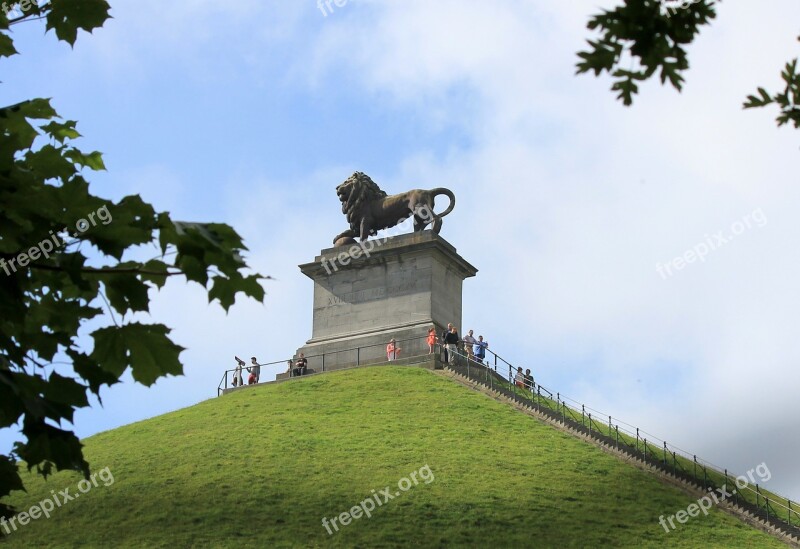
{"type": "Point", "coordinates": [788, 100]}
{"type": "Point", "coordinates": [61, 259]}
{"type": "Point", "coordinates": [651, 37]}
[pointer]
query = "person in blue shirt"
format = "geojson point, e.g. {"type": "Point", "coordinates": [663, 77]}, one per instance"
{"type": "Point", "coordinates": [480, 349]}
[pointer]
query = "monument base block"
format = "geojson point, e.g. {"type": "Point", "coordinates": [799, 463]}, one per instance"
{"type": "Point", "coordinates": [368, 293]}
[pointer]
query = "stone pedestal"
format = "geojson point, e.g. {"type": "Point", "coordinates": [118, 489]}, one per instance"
{"type": "Point", "coordinates": [366, 294]}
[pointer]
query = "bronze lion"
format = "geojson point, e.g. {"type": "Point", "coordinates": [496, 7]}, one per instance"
{"type": "Point", "coordinates": [369, 209]}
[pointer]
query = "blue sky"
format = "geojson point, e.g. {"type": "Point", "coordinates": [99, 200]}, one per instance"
{"type": "Point", "coordinates": [251, 113]}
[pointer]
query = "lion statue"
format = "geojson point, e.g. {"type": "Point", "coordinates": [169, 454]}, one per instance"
{"type": "Point", "coordinates": [369, 209]}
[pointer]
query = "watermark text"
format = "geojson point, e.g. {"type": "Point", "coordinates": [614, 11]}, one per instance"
{"type": "Point", "coordinates": [366, 506]}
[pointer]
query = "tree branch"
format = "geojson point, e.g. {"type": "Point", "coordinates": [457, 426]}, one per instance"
{"type": "Point", "coordinates": [93, 270]}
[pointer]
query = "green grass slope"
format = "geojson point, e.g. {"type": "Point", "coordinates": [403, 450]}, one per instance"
{"type": "Point", "coordinates": [263, 466]}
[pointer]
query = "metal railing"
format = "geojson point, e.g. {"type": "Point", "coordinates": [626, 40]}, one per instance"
{"type": "Point", "coordinates": [372, 355]}
{"type": "Point", "coordinates": [498, 374]}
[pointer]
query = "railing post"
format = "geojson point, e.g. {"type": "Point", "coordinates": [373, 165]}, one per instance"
{"type": "Point", "coordinates": [790, 511]}
{"type": "Point", "coordinates": [358, 356]}
{"type": "Point", "coordinates": [637, 439]}
{"type": "Point", "coordinates": [674, 463]}
{"type": "Point", "coordinates": [758, 496]}
{"type": "Point", "coordinates": [323, 362]}
{"type": "Point", "coordinates": [705, 477]}
{"type": "Point", "coordinates": [609, 425]}
{"type": "Point", "coordinates": [590, 424]}
{"type": "Point", "coordinates": [617, 430]}
{"type": "Point", "coordinates": [665, 453]}
{"type": "Point", "coordinates": [583, 415]}
{"type": "Point", "coordinates": [725, 471]}
{"type": "Point", "coordinates": [645, 449]}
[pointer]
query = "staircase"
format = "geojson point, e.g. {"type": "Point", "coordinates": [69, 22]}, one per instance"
{"type": "Point", "coordinates": [761, 513]}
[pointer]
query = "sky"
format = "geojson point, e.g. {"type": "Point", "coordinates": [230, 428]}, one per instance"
{"type": "Point", "coordinates": [572, 206]}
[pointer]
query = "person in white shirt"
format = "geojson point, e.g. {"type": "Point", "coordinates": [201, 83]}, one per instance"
{"type": "Point", "coordinates": [469, 343]}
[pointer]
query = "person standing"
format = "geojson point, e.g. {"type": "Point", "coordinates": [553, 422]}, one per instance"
{"type": "Point", "coordinates": [519, 378]}
{"type": "Point", "coordinates": [469, 343]}
{"type": "Point", "coordinates": [238, 380]}
{"type": "Point", "coordinates": [255, 368]}
{"type": "Point", "coordinates": [431, 339]}
{"type": "Point", "coordinates": [529, 380]}
{"type": "Point", "coordinates": [446, 357]}
{"type": "Point", "coordinates": [451, 341]}
{"type": "Point", "coordinates": [392, 350]}
{"type": "Point", "coordinates": [480, 349]}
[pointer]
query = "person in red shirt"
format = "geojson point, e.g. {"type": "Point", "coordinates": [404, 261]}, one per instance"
{"type": "Point", "coordinates": [431, 340]}
{"type": "Point", "coordinates": [392, 350]}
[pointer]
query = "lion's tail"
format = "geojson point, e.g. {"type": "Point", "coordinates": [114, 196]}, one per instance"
{"type": "Point", "coordinates": [449, 194]}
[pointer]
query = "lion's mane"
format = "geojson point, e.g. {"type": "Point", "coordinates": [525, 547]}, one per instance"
{"type": "Point", "coordinates": [364, 190]}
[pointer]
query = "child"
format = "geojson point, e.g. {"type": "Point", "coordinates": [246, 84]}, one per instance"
{"type": "Point", "coordinates": [431, 340]}
{"type": "Point", "coordinates": [392, 350]}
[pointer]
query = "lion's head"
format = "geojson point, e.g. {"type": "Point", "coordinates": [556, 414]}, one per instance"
{"type": "Point", "coordinates": [357, 190]}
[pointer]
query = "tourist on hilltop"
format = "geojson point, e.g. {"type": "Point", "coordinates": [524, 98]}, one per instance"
{"type": "Point", "coordinates": [469, 343]}
{"type": "Point", "coordinates": [528, 380]}
{"type": "Point", "coordinates": [392, 350]}
{"type": "Point", "coordinates": [289, 365]}
{"type": "Point", "coordinates": [519, 378]}
{"type": "Point", "coordinates": [451, 341]}
{"type": "Point", "coordinates": [431, 339]}
{"type": "Point", "coordinates": [480, 349]}
{"type": "Point", "coordinates": [238, 380]}
{"type": "Point", "coordinates": [446, 358]}
{"type": "Point", "coordinates": [255, 369]}
{"type": "Point", "coordinates": [300, 366]}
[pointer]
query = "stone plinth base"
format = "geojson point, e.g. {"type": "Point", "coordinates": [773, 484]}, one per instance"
{"type": "Point", "coordinates": [364, 295]}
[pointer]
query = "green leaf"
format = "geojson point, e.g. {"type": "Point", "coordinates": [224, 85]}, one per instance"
{"type": "Point", "coordinates": [152, 354]}
{"type": "Point", "coordinates": [67, 16]}
{"type": "Point", "coordinates": [91, 372]}
{"type": "Point", "coordinates": [7, 48]}
{"type": "Point", "coordinates": [125, 291]}
{"type": "Point", "coordinates": [225, 289]}
{"type": "Point", "coordinates": [50, 164]}
{"type": "Point", "coordinates": [62, 132]}
{"type": "Point", "coordinates": [145, 347]}
{"type": "Point", "coordinates": [50, 446]}
{"type": "Point", "coordinates": [65, 390]}
{"type": "Point", "coordinates": [38, 109]}
{"type": "Point", "coordinates": [92, 160]}
{"type": "Point", "coordinates": [110, 352]}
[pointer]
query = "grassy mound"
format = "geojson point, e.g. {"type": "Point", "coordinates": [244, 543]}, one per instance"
{"type": "Point", "coordinates": [262, 467]}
